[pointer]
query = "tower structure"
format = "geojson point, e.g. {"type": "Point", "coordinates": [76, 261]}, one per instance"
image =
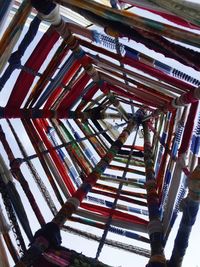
{"type": "Point", "coordinates": [107, 130]}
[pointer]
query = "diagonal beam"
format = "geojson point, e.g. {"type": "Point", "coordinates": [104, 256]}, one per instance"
{"type": "Point", "coordinates": [155, 227]}
{"type": "Point", "coordinates": [74, 202]}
